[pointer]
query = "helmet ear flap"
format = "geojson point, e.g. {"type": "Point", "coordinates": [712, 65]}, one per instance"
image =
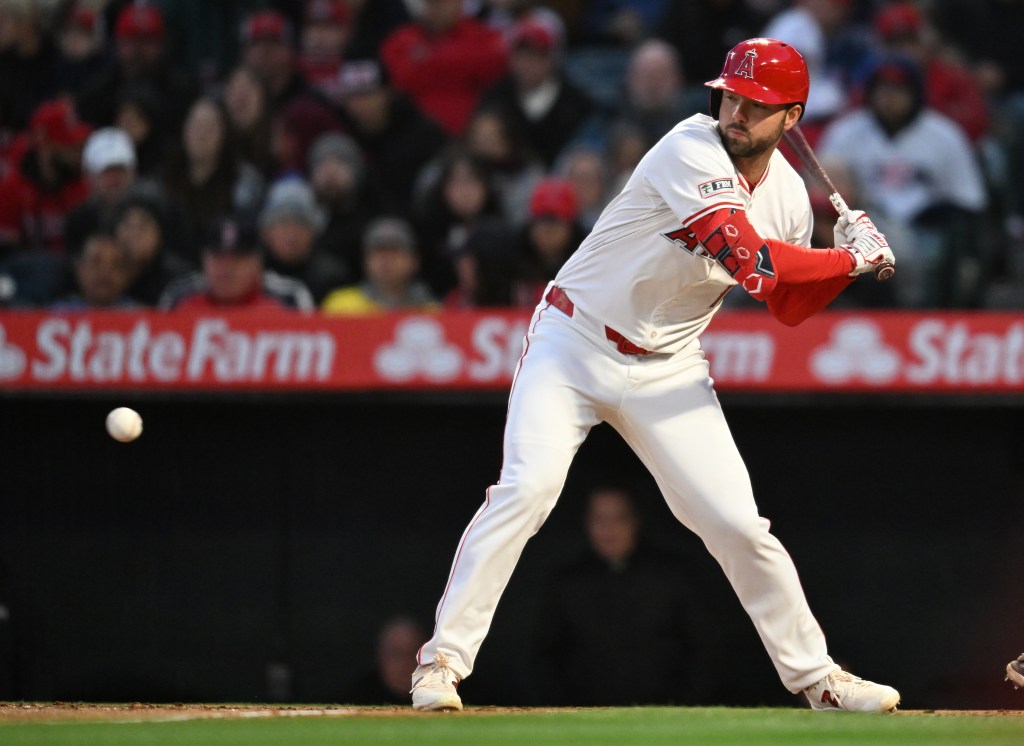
{"type": "Point", "coordinates": [715, 102]}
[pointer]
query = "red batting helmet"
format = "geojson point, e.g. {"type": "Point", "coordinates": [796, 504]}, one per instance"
{"type": "Point", "coordinates": [764, 70]}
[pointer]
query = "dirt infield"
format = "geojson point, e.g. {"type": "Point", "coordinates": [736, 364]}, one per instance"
{"type": "Point", "coordinates": [38, 712]}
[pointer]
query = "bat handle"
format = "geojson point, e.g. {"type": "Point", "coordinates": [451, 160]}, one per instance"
{"type": "Point", "coordinates": [883, 271]}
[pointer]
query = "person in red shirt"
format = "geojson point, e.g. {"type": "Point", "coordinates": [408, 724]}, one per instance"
{"type": "Point", "coordinates": [233, 277]}
{"type": "Point", "coordinates": [444, 60]}
{"type": "Point", "coordinates": [46, 183]}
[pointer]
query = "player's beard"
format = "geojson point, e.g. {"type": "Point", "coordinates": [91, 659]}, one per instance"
{"type": "Point", "coordinates": [752, 147]}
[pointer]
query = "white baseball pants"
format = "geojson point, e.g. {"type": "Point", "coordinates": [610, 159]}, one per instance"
{"type": "Point", "coordinates": [571, 378]}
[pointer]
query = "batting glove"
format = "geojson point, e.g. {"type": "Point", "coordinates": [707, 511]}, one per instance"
{"type": "Point", "coordinates": [850, 225]}
{"type": "Point", "coordinates": [868, 250]}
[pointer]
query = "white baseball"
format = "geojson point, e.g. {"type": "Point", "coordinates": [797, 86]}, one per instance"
{"type": "Point", "coordinates": [124, 424]}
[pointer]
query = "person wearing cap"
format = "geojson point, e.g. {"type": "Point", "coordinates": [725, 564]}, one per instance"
{"type": "Point", "coordinates": [234, 277]}
{"type": "Point", "coordinates": [82, 54]}
{"type": "Point", "coordinates": [290, 224]}
{"type": "Point", "coordinates": [140, 59]}
{"type": "Point", "coordinates": [46, 183]}
{"type": "Point", "coordinates": [267, 38]}
{"type": "Point", "coordinates": [389, 129]}
{"type": "Point", "coordinates": [444, 60]}
{"type": "Point", "coordinates": [919, 171]}
{"type": "Point", "coordinates": [327, 27]}
{"type": "Point", "coordinates": [27, 63]}
{"type": "Point", "coordinates": [108, 163]}
{"type": "Point", "coordinates": [542, 102]}
{"type": "Point", "coordinates": [391, 267]}
{"type": "Point", "coordinates": [550, 236]}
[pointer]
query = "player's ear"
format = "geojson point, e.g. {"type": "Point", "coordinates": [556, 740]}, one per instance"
{"type": "Point", "coordinates": [793, 114]}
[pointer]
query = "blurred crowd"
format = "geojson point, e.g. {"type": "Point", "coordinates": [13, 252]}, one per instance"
{"type": "Point", "coordinates": [356, 155]}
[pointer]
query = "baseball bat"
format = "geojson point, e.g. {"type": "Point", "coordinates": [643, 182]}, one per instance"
{"type": "Point", "coordinates": [883, 271]}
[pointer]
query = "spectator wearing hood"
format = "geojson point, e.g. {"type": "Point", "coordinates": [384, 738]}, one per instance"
{"type": "Point", "coordinates": [290, 224]}
{"type": "Point", "coordinates": [916, 167]}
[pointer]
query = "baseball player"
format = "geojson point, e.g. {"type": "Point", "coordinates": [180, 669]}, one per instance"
{"type": "Point", "coordinates": [712, 206]}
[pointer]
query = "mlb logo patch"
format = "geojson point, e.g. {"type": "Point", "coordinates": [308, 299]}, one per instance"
{"type": "Point", "coordinates": [715, 186]}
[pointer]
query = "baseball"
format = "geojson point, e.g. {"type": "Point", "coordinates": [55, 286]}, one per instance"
{"type": "Point", "coordinates": [124, 424]}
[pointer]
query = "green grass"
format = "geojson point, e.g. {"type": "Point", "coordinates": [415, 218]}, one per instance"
{"type": "Point", "coordinates": [615, 727]}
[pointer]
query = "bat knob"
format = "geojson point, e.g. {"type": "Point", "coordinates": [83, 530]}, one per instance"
{"type": "Point", "coordinates": [885, 272]}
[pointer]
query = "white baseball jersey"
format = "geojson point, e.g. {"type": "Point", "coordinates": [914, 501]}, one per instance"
{"type": "Point", "coordinates": [633, 275]}
{"type": "Point", "coordinates": [640, 277]}
{"type": "Point", "coordinates": [929, 162]}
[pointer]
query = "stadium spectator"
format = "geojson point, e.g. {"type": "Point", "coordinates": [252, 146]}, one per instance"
{"type": "Point", "coordinates": [144, 226]}
{"type": "Point", "coordinates": [599, 602]}
{"type": "Point", "coordinates": [347, 193]}
{"type": "Point", "coordinates": [205, 178]}
{"type": "Point", "coordinates": [46, 183]}
{"type": "Point", "coordinates": [396, 138]}
{"type": "Point", "coordinates": [391, 268]}
{"type": "Point", "coordinates": [140, 59]}
{"type": "Point", "coordinates": [294, 129]}
{"type": "Point", "coordinates": [918, 168]}
{"type": "Point", "coordinates": [444, 60]}
{"type": "Point", "coordinates": [541, 101]}
{"type": "Point", "coordinates": [462, 193]}
{"type": "Point", "coordinates": [138, 114]}
{"type": "Point", "coordinates": [27, 63]}
{"type": "Point", "coordinates": [101, 275]}
{"type": "Point", "coordinates": [584, 167]}
{"type": "Point", "coordinates": [550, 237]}
{"type": "Point", "coordinates": [494, 138]}
{"type": "Point", "coordinates": [233, 276]}
{"type": "Point", "coordinates": [388, 683]}
{"type": "Point", "coordinates": [655, 97]}
{"type": "Point", "coordinates": [81, 49]}
{"type": "Point", "coordinates": [108, 163]}
{"type": "Point", "coordinates": [267, 49]}
{"type": "Point", "coordinates": [247, 101]}
{"type": "Point", "coordinates": [325, 33]}
{"type": "Point", "coordinates": [484, 267]}
{"type": "Point", "coordinates": [290, 224]}
{"type": "Point", "coordinates": [950, 87]}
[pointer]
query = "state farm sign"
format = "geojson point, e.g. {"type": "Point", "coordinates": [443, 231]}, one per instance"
{"type": "Point", "coordinates": [72, 349]}
{"type": "Point", "coordinates": [747, 350]}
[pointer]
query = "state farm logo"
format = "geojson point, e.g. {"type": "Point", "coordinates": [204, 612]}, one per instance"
{"type": "Point", "coordinates": [856, 350]}
{"type": "Point", "coordinates": [419, 349]}
{"type": "Point", "coordinates": [12, 358]}
{"type": "Point", "coordinates": [213, 351]}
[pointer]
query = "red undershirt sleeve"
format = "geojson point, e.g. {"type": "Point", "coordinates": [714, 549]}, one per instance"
{"type": "Point", "coordinates": [796, 282]}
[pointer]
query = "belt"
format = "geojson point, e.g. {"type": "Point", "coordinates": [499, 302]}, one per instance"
{"type": "Point", "coordinates": [557, 298]}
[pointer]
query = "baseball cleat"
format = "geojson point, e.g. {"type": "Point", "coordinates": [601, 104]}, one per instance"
{"type": "Point", "coordinates": [1015, 672]}
{"type": "Point", "coordinates": [433, 686]}
{"type": "Point", "coordinates": [841, 690]}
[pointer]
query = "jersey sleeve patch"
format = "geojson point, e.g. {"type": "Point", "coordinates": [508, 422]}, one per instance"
{"type": "Point", "coordinates": [717, 186]}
